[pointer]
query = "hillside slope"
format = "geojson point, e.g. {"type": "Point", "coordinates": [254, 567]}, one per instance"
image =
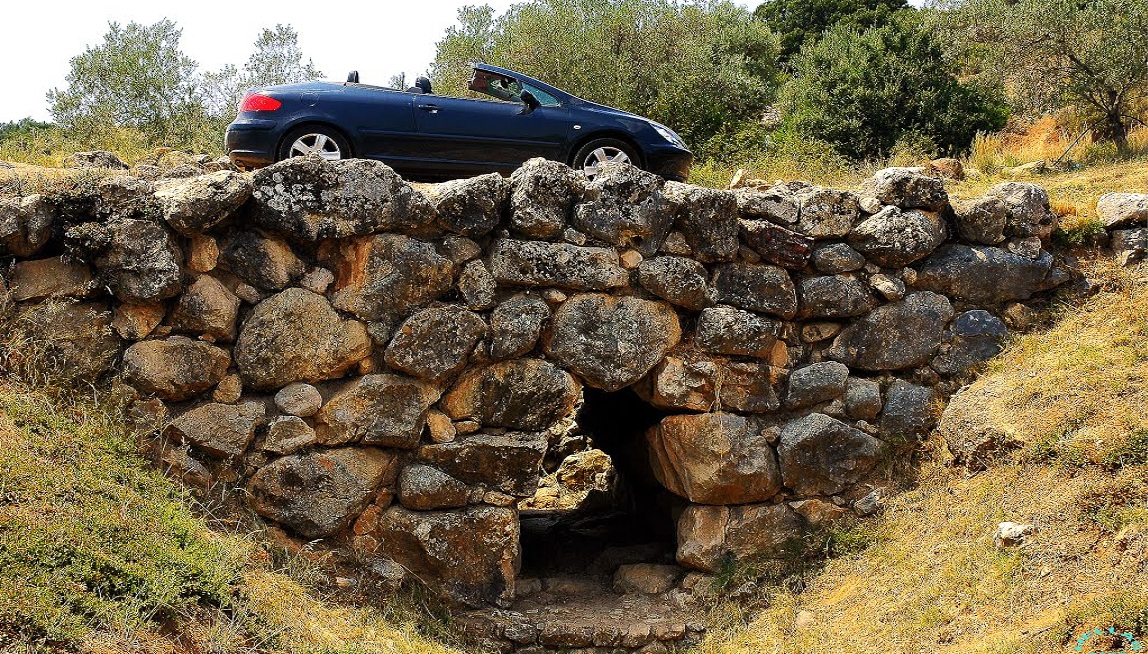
{"type": "Point", "coordinates": [100, 554]}
{"type": "Point", "coordinates": [930, 578]}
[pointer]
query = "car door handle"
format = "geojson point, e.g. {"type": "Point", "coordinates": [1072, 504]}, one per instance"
{"type": "Point", "coordinates": [432, 108]}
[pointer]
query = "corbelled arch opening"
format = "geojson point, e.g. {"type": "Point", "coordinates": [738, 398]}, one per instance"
{"type": "Point", "coordinates": [600, 505]}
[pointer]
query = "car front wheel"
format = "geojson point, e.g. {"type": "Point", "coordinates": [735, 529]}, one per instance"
{"type": "Point", "coordinates": [599, 151]}
{"type": "Point", "coordinates": [314, 139]}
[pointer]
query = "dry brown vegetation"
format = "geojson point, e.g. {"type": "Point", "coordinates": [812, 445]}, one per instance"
{"type": "Point", "coordinates": [931, 580]}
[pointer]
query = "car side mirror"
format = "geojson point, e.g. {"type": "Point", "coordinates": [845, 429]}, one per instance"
{"type": "Point", "coordinates": [531, 103]}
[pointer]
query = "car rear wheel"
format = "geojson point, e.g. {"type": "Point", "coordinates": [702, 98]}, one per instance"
{"type": "Point", "coordinates": [600, 151]}
{"type": "Point", "coordinates": [314, 139]}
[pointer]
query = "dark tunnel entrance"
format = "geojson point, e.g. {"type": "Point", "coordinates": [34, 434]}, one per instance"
{"type": "Point", "coordinates": [626, 516]}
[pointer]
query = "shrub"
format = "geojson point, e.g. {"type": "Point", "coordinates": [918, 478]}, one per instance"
{"type": "Point", "coordinates": [864, 92]}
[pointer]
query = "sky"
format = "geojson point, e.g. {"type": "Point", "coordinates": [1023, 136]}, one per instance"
{"type": "Point", "coordinates": [379, 39]}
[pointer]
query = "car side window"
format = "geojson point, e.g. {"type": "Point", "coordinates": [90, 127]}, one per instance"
{"type": "Point", "coordinates": [544, 98]}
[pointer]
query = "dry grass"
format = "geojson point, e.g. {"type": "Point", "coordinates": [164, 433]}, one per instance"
{"type": "Point", "coordinates": [931, 579]}
{"type": "Point", "coordinates": [100, 554]}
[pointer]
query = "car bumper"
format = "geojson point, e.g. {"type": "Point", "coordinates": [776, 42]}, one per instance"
{"type": "Point", "coordinates": [251, 144]}
{"type": "Point", "coordinates": [671, 163]}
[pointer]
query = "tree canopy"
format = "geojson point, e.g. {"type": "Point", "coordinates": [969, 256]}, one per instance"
{"type": "Point", "coordinates": [276, 59]}
{"type": "Point", "coordinates": [138, 77]}
{"type": "Point", "coordinates": [866, 91]}
{"type": "Point", "coordinates": [799, 21]}
{"type": "Point", "coordinates": [693, 66]}
{"type": "Point", "coordinates": [1092, 54]}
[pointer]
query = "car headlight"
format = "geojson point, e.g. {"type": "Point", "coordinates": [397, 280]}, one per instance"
{"type": "Point", "coordinates": [669, 135]}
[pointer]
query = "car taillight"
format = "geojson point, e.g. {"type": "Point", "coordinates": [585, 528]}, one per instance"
{"type": "Point", "coordinates": [257, 102]}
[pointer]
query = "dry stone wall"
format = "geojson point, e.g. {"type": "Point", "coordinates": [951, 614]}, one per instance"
{"type": "Point", "coordinates": [388, 367]}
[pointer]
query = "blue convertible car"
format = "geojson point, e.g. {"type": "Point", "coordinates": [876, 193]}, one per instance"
{"type": "Point", "coordinates": [423, 135]}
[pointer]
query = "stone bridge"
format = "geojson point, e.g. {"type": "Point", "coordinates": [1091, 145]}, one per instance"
{"type": "Point", "coordinates": [414, 372]}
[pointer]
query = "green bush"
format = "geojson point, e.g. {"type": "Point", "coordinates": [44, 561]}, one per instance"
{"type": "Point", "coordinates": [865, 92]}
{"type": "Point", "coordinates": [798, 22]}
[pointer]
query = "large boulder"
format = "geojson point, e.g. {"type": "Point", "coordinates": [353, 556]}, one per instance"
{"type": "Point", "coordinates": [319, 493]}
{"type": "Point", "coordinates": [1119, 210]}
{"type": "Point", "coordinates": [611, 342]}
{"type": "Point", "coordinates": [142, 262]}
{"type": "Point", "coordinates": [708, 219]}
{"type": "Point", "coordinates": [983, 274]}
{"type": "Point", "coordinates": [264, 261]}
{"type": "Point", "coordinates": [389, 276]}
{"type": "Point", "coordinates": [827, 213]}
{"type": "Point", "coordinates": [424, 488]}
{"type": "Point", "coordinates": [726, 330]}
{"type": "Point", "coordinates": [435, 343]}
{"type": "Point", "coordinates": [757, 287]}
{"type": "Point", "coordinates": [895, 336]}
{"type": "Point", "coordinates": [776, 244]}
{"type": "Point", "coordinates": [542, 198]}
{"type": "Point", "coordinates": [207, 308]}
{"type": "Point", "coordinates": [834, 296]}
{"type": "Point", "coordinates": [473, 206]}
{"type": "Point", "coordinates": [529, 394]}
{"type": "Point", "coordinates": [199, 203]}
{"type": "Point", "coordinates": [974, 337]}
{"type": "Point", "coordinates": [714, 458]}
{"type": "Point", "coordinates": [223, 430]}
{"type": "Point", "coordinates": [907, 188]}
{"type": "Point", "coordinates": [56, 277]}
{"type": "Point", "coordinates": [893, 238]}
{"type": "Point", "coordinates": [533, 263]}
{"type": "Point", "coordinates": [175, 368]}
{"type": "Point", "coordinates": [698, 383]}
{"type": "Point", "coordinates": [25, 225]}
{"type": "Point", "coordinates": [294, 336]}
{"type": "Point", "coordinates": [777, 204]}
{"type": "Point", "coordinates": [509, 463]}
{"type": "Point", "coordinates": [388, 410]}
{"type": "Point", "coordinates": [981, 220]}
{"type": "Point", "coordinates": [677, 280]}
{"type": "Point", "coordinates": [75, 339]}
{"type": "Point", "coordinates": [624, 206]}
{"type": "Point", "coordinates": [311, 199]}
{"type": "Point", "coordinates": [820, 455]}
{"type": "Point", "coordinates": [95, 159]}
{"type": "Point", "coordinates": [710, 537]}
{"type": "Point", "coordinates": [836, 258]}
{"type": "Point", "coordinates": [516, 324]}
{"type": "Point", "coordinates": [472, 553]}
{"type": "Point", "coordinates": [1029, 213]}
{"type": "Point", "coordinates": [911, 411]}
{"type": "Point", "coordinates": [974, 436]}
{"type": "Point", "coordinates": [816, 383]}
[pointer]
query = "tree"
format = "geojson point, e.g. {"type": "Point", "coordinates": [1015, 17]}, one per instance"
{"type": "Point", "coordinates": [697, 67]}
{"type": "Point", "coordinates": [138, 77]}
{"type": "Point", "coordinates": [863, 92]}
{"type": "Point", "coordinates": [1089, 53]}
{"type": "Point", "coordinates": [799, 21]}
{"type": "Point", "coordinates": [277, 59]}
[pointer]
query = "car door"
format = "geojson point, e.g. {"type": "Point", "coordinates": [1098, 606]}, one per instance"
{"type": "Point", "coordinates": [384, 120]}
{"type": "Point", "coordinates": [488, 133]}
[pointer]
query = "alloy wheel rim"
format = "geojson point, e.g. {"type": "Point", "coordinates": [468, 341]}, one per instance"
{"type": "Point", "coordinates": [319, 144]}
{"type": "Point", "coordinates": [599, 156]}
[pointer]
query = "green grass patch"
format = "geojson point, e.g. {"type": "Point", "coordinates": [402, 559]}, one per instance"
{"type": "Point", "coordinates": [90, 539]}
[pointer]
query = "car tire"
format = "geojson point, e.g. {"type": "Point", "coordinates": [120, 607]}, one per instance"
{"type": "Point", "coordinates": [599, 151]}
{"type": "Point", "coordinates": [314, 139]}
